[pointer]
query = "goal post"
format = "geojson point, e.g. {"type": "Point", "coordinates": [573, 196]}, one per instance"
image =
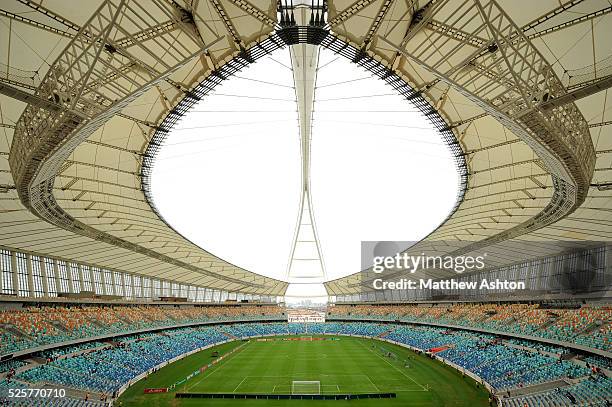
{"type": "Point", "coordinates": [305, 387]}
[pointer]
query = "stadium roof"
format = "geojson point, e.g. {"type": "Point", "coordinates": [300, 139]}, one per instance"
{"type": "Point", "coordinates": [88, 92]}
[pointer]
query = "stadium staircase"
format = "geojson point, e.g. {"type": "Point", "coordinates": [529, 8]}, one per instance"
{"type": "Point", "coordinates": [592, 327]}
{"type": "Point", "coordinates": [74, 392]}
{"type": "Point", "coordinates": [384, 334]}
{"type": "Point", "coordinates": [126, 321]}
{"type": "Point", "coordinates": [439, 349]}
{"type": "Point", "coordinates": [16, 332]}
{"type": "Point", "coordinates": [38, 360]}
{"type": "Point", "coordinates": [59, 326]}
{"type": "Point", "coordinates": [535, 388]}
{"type": "Point", "coordinates": [229, 335]}
{"type": "Point", "coordinates": [78, 394]}
{"type": "Point", "coordinates": [71, 392]}
{"type": "Point", "coordinates": [525, 372]}
{"type": "Point", "coordinates": [563, 356]}
{"type": "Point", "coordinates": [484, 318]}
{"type": "Point", "coordinates": [553, 319]}
{"type": "Point", "coordinates": [485, 363]}
{"type": "Point", "coordinates": [98, 324]}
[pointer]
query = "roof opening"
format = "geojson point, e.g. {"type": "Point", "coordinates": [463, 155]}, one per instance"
{"type": "Point", "coordinates": [228, 176]}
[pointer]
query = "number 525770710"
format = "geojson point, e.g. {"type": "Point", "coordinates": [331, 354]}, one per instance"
{"type": "Point", "coordinates": [36, 393]}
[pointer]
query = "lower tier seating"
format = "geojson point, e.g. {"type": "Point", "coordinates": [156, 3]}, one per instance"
{"type": "Point", "coordinates": [595, 391]}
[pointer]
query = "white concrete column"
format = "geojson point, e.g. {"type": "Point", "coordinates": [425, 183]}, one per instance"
{"type": "Point", "coordinates": [30, 276]}
{"type": "Point", "coordinates": [14, 272]}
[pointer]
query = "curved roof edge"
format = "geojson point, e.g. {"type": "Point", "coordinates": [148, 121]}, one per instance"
{"type": "Point", "coordinates": [278, 40]}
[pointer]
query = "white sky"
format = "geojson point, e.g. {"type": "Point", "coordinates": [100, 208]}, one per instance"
{"type": "Point", "coordinates": [228, 177]}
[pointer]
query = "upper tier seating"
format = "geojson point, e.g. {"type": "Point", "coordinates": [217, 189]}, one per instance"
{"type": "Point", "coordinates": [589, 325]}
{"type": "Point", "coordinates": [35, 326]}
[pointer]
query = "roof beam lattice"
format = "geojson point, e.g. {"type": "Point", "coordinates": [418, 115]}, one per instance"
{"type": "Point", "coordinates": [92, 81]}
{"type": "Point", "coordinates": [508, 78]}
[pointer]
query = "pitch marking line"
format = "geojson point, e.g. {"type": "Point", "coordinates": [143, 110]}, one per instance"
{"type": "Point", "coordinates": [331, 388]}
{"type": "Point", "coordinates": [240, 384]}
{"type": "Point", "coordinates": [395, 367]}
{"type": "Point", "coordinates": [218, 366]}
{"type": "Point", "coordinates": [310, 375]}
{"type": "Point", "coordinates": [334, 389]}
{"type": "Point", "coordinates": [407, 390]}
{"type": "Point", "coordinates": [375, 386]}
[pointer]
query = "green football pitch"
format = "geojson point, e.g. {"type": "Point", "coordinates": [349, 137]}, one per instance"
{"type": "Point", "coordinates": [345, 366]}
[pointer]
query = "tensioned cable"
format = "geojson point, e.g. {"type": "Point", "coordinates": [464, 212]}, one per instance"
{"type": "Point", "coordinates": [194, 153]}
{"type": "Point", "coordinates": [281, 64]}
{"type": "Point", "coordinates": [243, 111]}
{"type": "Point", "coordinates": [252, 97]}
{"type": "Point", "coordinates": [386, 136]}
{"type": "Point", "coordinates": [200, 140]}
{"type": "Point", "coordinates": [266, 82]}
{"type": "Point", "coordinates": [367, 111]}
{"type": "Point", "coordinates": [358, 97]}
{"type": "Point", "coordinates": [59, 41]}
{"type": "Point", "coordinates": [25, 43]}
{"type": "Point", "coordinates": [376, 124]}
{"type": "Point", "coordinates": [228, 125]}
{"type": "Point", "coordinates": [342, 82]}
{"type": "Point", "coordinates": [558, 59]}
{"type": "Point", "coordinates": [328, 63]}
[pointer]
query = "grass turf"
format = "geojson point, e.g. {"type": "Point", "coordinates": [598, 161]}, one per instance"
{"type": "Point", "coordinates": [347, 365]}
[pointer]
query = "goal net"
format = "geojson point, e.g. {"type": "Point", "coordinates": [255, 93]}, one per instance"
{"type": "Point", "coordinates": [305, 387]}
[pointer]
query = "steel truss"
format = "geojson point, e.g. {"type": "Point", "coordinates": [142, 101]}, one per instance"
{"type": "Point", "coordinates": [508, 78]}
{"type": "Point", "coordinates": [78, 85]}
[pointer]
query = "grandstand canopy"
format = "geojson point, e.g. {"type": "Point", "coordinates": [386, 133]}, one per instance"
{"type": "Point", "coordinates": [89, 94]}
